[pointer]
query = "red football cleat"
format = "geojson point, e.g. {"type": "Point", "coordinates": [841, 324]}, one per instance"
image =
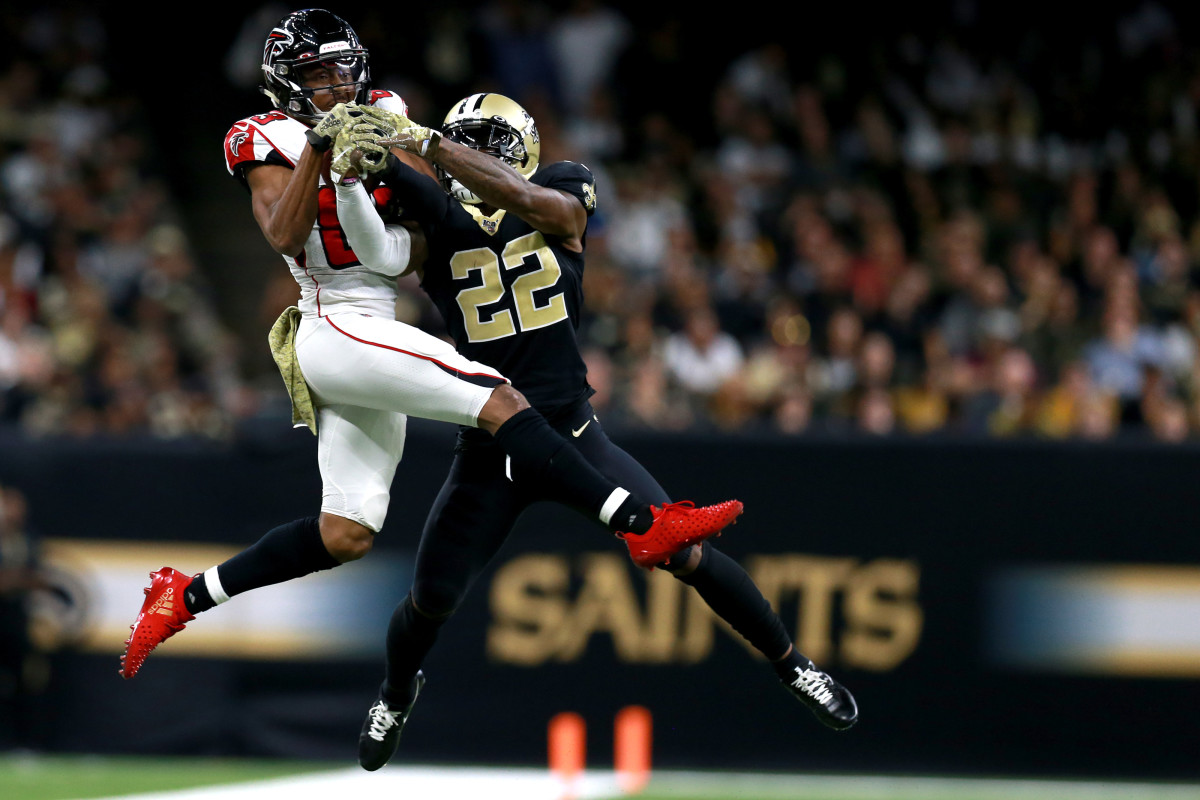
{"type": "Point", "coordinates": [163, 615]}
{"type": "Point", "coordinates": [677, 526]}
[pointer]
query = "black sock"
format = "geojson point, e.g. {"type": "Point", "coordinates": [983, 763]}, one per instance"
{"type": "Point", "coordinates": [635, 517]}
{"type": "Point", "coordinates": [535, 449]}
{"type": "Point", "coordinates": [288, 551]}
{"type": "Point", "coordinates": [196, 597]}
{"type": "Point", "coordinates": [786, 668]}
{"type": "Point", "coordinates": [410, 637]}
{"type": "Point", "coordinates": [729, 592]}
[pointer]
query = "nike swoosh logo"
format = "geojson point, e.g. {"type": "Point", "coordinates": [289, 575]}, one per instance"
{"type": "Point", "coordinates": [577, 433]}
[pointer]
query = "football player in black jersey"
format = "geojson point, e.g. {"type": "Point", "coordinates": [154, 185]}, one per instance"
{"type": "Point", "coordinates": [506, 239]}
{"type": "Point", "coordinates": [359, 372]}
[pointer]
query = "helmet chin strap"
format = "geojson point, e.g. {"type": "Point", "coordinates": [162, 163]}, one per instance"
{"type": "Point", "coordinates": [462, 194]}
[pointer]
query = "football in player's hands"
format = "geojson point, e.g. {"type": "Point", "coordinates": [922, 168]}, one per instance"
{"type": "Point", "coordinates": [332, 176]}
{"type": "Point", "coordinates": [361, 145]}
{"type": "Point", "coordinates": [327, 167]}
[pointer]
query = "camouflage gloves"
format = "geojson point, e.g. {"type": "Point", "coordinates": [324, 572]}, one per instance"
{"type": "Point", "coordinates": [361, 138]}
{"type": "Point", "coordinates": [407, 134]}
{"type": "Point", "coordinates": [322, 135]}
{"type": "Point", "coordinates": [359, 146]}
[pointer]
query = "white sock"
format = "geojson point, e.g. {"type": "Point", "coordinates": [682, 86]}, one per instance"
{"type": "Point", "coordinates": [212, 582]}
{"type": "Point", "coordinates": [611, 505]}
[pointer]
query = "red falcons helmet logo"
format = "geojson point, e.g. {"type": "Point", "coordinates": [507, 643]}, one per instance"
{"type": "Point", "coordinates": [277, 42]}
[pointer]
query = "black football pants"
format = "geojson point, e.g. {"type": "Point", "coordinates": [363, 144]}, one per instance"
{"type": "Point", "coordinates": [478, 506]}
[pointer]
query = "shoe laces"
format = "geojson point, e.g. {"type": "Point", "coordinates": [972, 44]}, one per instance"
{"type": "Point", "coordinates": [383, 719]}
{"type": "Point", "coordinates": [815, 684]}
{"type": "Point", "coordinates": [682, 505]}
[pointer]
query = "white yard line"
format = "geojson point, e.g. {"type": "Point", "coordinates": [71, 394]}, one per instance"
{"type": "Point", "coordinates": [406, 783]}
{"type": "Point", "coordinates": [469, 783]}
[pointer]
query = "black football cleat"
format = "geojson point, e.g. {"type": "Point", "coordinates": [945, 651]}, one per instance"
{"type": "Point", "coordinates": [829, 700]}
{"type": "Point", "coordinates": [380, 735]}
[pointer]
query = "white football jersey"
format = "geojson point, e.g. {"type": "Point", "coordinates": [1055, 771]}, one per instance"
{"type": "Point", "coordinates": [330, 276]}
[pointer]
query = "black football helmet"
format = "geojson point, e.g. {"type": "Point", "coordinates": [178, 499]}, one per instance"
{"type": "Point", "coordinates": [496, 125]}
{"type": "Point", "coordinates": [306, 37]}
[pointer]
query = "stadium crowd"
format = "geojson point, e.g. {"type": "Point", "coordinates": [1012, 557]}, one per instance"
{"type": "Point", "coordinates": [956, 228]}
{"type": "Point", "coordinates": [105, 323]}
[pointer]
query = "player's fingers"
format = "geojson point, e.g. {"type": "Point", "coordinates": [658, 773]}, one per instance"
{"type": "Point", "coordinates": [390, 118]}
{"type": "Point", "coordinates": [366, 130]}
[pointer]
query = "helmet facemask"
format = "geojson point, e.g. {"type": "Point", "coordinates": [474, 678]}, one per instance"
{"type": "Point", "coordinates": [496, 126]}
{"type": "Point", "coordinates": [297, 99]}
{"type": "Point", "coordinates": [490, 137]}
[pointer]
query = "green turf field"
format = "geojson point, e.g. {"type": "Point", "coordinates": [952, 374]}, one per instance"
{"type": "Point", "coordinates": [730, 786]}
{"type": "Point", "coordinates": [80, 777]}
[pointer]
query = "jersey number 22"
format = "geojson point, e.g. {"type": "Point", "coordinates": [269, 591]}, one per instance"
{"type": "Point", "coordinates": [529, 315]}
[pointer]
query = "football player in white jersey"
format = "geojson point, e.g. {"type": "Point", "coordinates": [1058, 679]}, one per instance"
{"type": "Point", "coordinates": [353, 371]}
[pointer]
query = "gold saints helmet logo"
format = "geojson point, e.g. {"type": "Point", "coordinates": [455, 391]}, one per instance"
{"type": "Point", "coordinates": [589, 194]}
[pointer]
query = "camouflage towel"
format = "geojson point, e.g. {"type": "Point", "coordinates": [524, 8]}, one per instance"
{"type": "Point", "coordinates": [283, 349]}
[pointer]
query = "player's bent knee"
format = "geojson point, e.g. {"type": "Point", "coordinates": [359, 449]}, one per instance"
{"type": "Point", "coordinates": [504, 402]}
{"type": "Point", "coordinates": [435, 600]}
{"type": "Point", "coordinates": [345, 539]}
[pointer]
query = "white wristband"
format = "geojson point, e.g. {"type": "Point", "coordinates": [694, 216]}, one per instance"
{"type": "Point", "coordinates": [429, 147]}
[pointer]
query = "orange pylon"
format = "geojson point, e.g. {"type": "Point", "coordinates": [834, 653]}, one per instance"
{"type": "Point", "coordinates": [632, 734]}
{"type": "Point", "coordinates": [567, 745]}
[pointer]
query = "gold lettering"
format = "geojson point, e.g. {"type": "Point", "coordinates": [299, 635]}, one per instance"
{"type": "Point", "coordinates": [530, 609]}
{"type": "Point", "coordinates": [606, 602]}
{"type": "Point", "coordinates": [661, 634]}
{"type": "Point", "coordinates": [697, 641]}
{"type": "Point", "coordinates": [816, 579]}
{"type": "Point", "coordinates": [536, 616]}
{"type": "Point", "coordinates": [882, 614]}
{"type": "Point", "coordinates": [473, 300]}
{"type": "Point", "coordinates": [532, 315]}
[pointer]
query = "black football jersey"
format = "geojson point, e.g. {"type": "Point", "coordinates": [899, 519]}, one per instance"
{"type": "Point", "coordinates": [510, 295]}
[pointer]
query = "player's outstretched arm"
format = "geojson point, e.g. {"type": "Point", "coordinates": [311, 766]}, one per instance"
{"type": "Point", "coordinates": [497, 184]}
{"type": "Point", "coordinates": [494, 182]}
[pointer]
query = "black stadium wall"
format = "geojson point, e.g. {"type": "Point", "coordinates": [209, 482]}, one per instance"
{"type": "Point", "coordinates": [999, 607]}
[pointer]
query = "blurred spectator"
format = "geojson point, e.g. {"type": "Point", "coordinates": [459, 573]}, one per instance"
{"type": "Point", "coordinates": [586, 42]}
{"type": "Point", "coordinates": [924, 407]}
{"type": "Point", "coordinates": [521, 61]}
{"type": "Point", "coordinates": [1098, 416]}
{"type": "Point", "coordinates": [106, 325]}
{"type": "Point", "coordinates": [875, 412]}
{"type": "Point", "coordinates": [1061, 407]}
{"type": "Point", "coordinates": [1119, 356]}
{"type": "Point", "coordinates": [701, 357]}
{"type": "Point", "coordinates": [793, 412]}
{"type": "Point", "coordinates": [836, 373]}
{"type": "Point", "coordinates": [1170, 423]}
{"type": "Point", "coordinates": [1008, 407]}
{"type": "Point", "coordinates": [925, 237]}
